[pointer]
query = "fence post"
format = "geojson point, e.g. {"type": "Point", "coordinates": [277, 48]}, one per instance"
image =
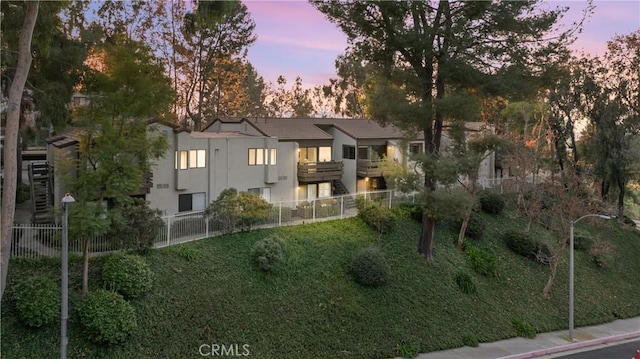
{"type": "Point", "coordinates": [206, 225]}
{"type": "Point", "coordinates": [280, 214]}
{"type": "Point", "coordinates": [168, 230]}
{"type": "Point", "coordinates": [314, 211]}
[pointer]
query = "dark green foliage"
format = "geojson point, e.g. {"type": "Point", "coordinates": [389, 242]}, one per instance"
{"type": "Point", "coordinates": [268, 253]}
{"type": "Point", "coordinates": [37, 301]}
{"type": "Point", "coordinates": [523, 329]}
{"type": "Point", "coordinates": [106, 317]}
{"type": "Point", "coordinates": [139, 226]}
{"type": "Point", "coordinates": [127, 274]}
{"type": "Point", "coordinates": [378, 216]}
{"type": "Point", "coordinates": [491, 203]}
{"type": "Point", "coordinates": [519, 242]}
{"type": "Point", "coordinates": [465, 283]}
{"type": "Point", "coordinates": [234, 210]}
{"type": "Point", "coordinates": [409, 210]}
{"type": "Point", "coordinates": [369, 267]}
{"type": "Point", "coordinates": [482, 261]}
{"type": "Point", "coordinates": [582, 239]}
{"type": "Point", "coordinates": [406, 349]}
{"type": "Point", "coordinates": [628, 221]}
{"type": "Point", "coordinates": [470, 340]}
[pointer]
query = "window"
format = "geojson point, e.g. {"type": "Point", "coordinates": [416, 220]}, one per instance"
{"type": "Point", "coordinates": [191, 202]}
{"type": "Point", "coordinates": [273, 156]}
{"type": "Point", "coordinates": [264, 192]}
{"type": "Point", "coordinates": [260, 156]}
{"type": "Point", "coordinates": [324, 154]}
{"type": "Point", "coordinates": [349, 152]}
{"type": "Point", "coordinates": [415, 148]}
{"type": "Point", "coordinates": [324, 190]}
{"type": "Point", "coordinates": [181, 160]}
{"type": "Point", "coordinates": [197, 159]}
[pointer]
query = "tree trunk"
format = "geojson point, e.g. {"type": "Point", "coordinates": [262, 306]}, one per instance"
{"type": "Point", "coordinates": [425, 244]}
{"type": "Point", "coordinates": [11, 138]}
{"type": "Point", "coordinates": [463, 229]}
{"type": "Point", "coordinates": [555, 262]}
{"type": "Point", "coordinates": [621, 192]}
{"type": "Point", "coordinates": [85, 267]}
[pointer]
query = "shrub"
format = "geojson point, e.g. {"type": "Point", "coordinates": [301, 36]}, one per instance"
{"type": "Point", "coordinates": [268, 253]}
{"type": "Point", "coordinates": [369, 267]}
{"type": "Point", "coordinates": [127, 274]}
{"type": "Point", "coordinates": [523, 329]}
{"type": "Point", "coordinates": [410, 210]}
{"type": "Point", "coordinates": [520, 243]}
{"type": "Point", "coordinates": [378, 216]}
{"type": "Point", "coordinates": [480, 260]}
{"type": "Point", "coordinates": [37, 301]}
{"type": "Point", "coordinates": [23, 192]}
{"type": "Point", "coordinates": [470, 340]}
{"type": "Point", "coordinates": [465, 283]}
{"type": "Point", "coordinates": [628, 221]}
{"type": "Point", "coordinates": [582, 240]}
{"type": "Point", "coordinates": [491, 203]}
{"type": "Point", "coordinates": [139, 227]}
{"type": "Point", "coordinates": [106, 317]}
{"type": "Point", "coordinates": [542, 253]}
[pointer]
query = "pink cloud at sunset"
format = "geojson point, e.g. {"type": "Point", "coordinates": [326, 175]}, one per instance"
{"type": "Point", "coordinates": [294, 39]}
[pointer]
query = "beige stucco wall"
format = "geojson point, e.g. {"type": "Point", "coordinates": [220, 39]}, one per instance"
{"type": "Point", "coordinates": [349, 176]}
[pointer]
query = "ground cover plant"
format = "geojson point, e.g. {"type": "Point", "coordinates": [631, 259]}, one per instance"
{"type": "Point", "coordinates": [211, 291]}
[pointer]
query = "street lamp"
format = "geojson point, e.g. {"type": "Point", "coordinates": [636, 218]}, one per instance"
{"type": "Point", "coordinates": [65, 276]}
{"type": "Point", "coordinates": [571, 270]}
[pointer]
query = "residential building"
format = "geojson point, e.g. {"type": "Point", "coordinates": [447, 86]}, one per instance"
{"type": "Point", "coordinates": [282, 159]}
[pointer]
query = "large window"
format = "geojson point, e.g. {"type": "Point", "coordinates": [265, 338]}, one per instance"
{"type": "Point", "coordinates": [324, 189]}
{"type": "Point", "coordinates": [348, 152]}
{"type": "Point", "coordinates": [181, 159]}
{"type": "Point", "coordinates": [262, 156]}
{"type": "Point", "coordinates": [197, 159]}
{"type": "Point", "coordinates": [191, 202]}
{"type": "Point", "coordinates": [324, 154]}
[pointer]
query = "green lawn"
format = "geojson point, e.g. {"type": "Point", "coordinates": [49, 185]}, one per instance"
{"type": "Point", "coordinates": [209, 292]}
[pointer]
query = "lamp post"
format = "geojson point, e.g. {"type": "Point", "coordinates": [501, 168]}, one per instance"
{"type": "Point", "coordinates": [65, 276]}
{"type": "Point", "coordinates": [571, 269]}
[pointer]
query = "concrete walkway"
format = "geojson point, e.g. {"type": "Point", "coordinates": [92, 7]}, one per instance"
{"type": "Point", "coordinates": [545, 345]}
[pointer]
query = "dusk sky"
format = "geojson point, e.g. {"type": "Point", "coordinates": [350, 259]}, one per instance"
{"type": "Point", "coordinates": [296, 39]}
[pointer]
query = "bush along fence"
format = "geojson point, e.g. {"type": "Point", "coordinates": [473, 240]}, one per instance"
{"type": "Point", "coordinates": [37, 241]}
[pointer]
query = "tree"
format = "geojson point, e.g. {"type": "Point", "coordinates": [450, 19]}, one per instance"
{"type": "Point", "coordinates": [425, 52]}
{"type": "Point", "coordinates": [293, 102]}
{"type": "Point", "coordinates": [611, 93]}
{"type": "Point", "coordinates": [213, 32]}
{"type": "Point", "coordinates": [116, 147]}
{"type": "Point", "coordinates": [10, 179]}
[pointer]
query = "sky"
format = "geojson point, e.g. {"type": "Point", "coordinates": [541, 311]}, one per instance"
{"type": "Point", "coordinates": [294, 39]}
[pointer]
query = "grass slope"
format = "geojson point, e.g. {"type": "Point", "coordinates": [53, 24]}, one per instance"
{"type": "Point", "coordinates": [209, 292]}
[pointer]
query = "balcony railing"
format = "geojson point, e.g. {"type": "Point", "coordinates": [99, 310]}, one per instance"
{"type": "Point", "coordinates": [369, 168]}
{"type": "Point", "coordinates": [320, 171]}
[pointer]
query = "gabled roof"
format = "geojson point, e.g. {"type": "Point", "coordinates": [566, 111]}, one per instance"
{"type": "Point", "coordinates": [289, 128]}
{"type": "Point", "coordinates": [315, 128]}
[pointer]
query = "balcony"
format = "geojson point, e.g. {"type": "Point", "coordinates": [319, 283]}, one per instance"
{"type": "Point", "coordinates": [320, 171]}
{"type": "Point", "coordinates": [369, 168]}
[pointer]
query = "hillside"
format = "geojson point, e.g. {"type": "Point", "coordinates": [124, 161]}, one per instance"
{"type": "Point", "coordinates": [209, 292]}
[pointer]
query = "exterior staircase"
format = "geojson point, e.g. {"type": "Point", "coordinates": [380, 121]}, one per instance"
{"type": "Point", "coordinates": [40, 178]}
{"type": "Point", "coordinates": [341, 190]}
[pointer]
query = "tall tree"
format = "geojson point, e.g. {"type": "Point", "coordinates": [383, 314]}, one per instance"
{"type": "Point", "coordinates": [214, 31]}
{"type": "Point", "coordinates": [424, 50]}
{"type": "Point", "coordinates": [127, 88]}
{"type": "Point", "coordinates": [10, 179]}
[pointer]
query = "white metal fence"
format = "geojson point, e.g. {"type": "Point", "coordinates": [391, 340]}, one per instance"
{"type": "Point", "coordinates": [36, 241]}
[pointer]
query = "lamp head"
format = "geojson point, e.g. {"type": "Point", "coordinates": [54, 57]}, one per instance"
{"type": "Point", "coordinates": [68, 198]}
{"type": "Point", "coordinates": [605, 216]}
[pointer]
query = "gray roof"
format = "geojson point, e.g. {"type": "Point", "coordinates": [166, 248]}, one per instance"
{"type": "Point", "coordinates": [312, 128]}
